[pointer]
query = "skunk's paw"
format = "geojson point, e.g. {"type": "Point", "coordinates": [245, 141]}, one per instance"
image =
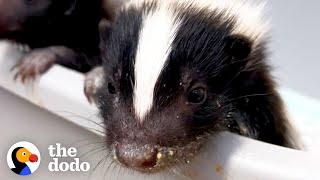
{"type": "Point", "coordinates": [92, 83]}
{"type": "Point", "coordinates": [33, 64]}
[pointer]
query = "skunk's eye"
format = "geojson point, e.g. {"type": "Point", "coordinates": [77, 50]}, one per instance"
{"type": "Point", "coordinates": [197, 95]}
{"type": "Point", "coordinates": [111, 88]}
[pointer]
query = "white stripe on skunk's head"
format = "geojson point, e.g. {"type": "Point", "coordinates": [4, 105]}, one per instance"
{"type": "Point", "coordinates": [157, 33]}
{"type": "Point", "coordinates": [178, 71]}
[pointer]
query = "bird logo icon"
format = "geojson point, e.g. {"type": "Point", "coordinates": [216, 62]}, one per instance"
{"type": "Point", "coordinates": [23, 158]}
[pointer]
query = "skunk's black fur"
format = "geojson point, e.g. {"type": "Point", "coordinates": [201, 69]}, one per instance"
{"type": "Point", "coordinates": [44, 23]}
{"type": "Point", "coordinates": [232, 69]}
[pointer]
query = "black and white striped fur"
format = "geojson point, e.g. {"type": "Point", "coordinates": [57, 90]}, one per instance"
{"type": "Point", "coordinates": [178, 72]}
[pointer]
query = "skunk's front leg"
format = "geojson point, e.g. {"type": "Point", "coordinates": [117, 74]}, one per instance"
{"type": "Point", "coordinates": [38, 61]}
{"type": "Point", "coordinates": [93, 81]}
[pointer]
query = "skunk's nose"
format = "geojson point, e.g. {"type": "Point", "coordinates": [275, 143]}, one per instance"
{"type": "Point", "coordinates": [135, 156]}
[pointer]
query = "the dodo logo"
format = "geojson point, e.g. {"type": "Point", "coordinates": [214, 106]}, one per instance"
{"type": "Point", "coordinates": [23, 158]}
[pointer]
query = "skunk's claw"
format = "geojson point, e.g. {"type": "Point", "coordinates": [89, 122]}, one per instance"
{"type": "Point", "coordinates": [34, 64]}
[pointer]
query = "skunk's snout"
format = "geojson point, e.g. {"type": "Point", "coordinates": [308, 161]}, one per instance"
{"type": "Point", "coordinates": [136, 157]}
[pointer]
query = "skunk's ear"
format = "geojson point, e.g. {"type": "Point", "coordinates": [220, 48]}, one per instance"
{"type": "Point", "coordinates": [239, 47]}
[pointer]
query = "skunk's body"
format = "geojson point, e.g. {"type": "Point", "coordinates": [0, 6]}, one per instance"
{"type": "Point", "coordinates": [57, 31]}
{"type": "Point", "coordinates": [177, 72]}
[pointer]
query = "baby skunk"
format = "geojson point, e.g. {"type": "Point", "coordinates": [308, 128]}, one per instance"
{"type": "Point", "coordinates": [177, 72]}
{"type": "Point", "coordinates": [57, 31]}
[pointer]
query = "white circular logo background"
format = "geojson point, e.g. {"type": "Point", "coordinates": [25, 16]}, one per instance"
{"type": "Point", "coordinates": [33, 166]}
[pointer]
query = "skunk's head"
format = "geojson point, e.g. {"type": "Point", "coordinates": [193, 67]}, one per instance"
{"type": "Point", "coordinates": [179, 72]}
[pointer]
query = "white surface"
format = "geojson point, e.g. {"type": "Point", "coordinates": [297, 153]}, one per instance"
{"type": "Point", "coordinates": [60, 92]}
{"type": "Point", "coordinates": [22, 121]}
{"type": "Point", "coordinates": [52, 92]}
